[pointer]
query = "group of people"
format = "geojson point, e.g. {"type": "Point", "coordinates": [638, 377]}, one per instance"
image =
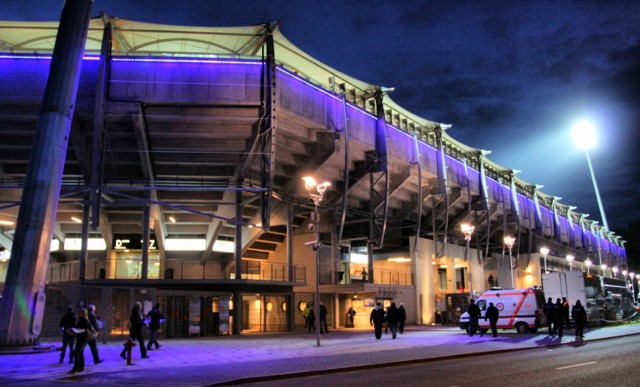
{"type": "Point", "coordinates": [557, 316]}
{"type": "Point", "coordinates": [394, 317]}
{"type": "Point", "coordinates": [78, 331]}
{"type": "Point", "coordinates": [492, 314]}
{"type": "Point", "coordinates": [310, 318]}
{"type": "Point", "coordinates": [82, 329]}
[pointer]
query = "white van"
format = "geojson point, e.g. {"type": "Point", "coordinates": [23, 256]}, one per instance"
{"type": "Point", "coordinates": [519, 308]}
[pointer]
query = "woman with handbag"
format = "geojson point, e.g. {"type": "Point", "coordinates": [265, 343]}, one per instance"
{"type": "Point", "coordinates": [84, 333]}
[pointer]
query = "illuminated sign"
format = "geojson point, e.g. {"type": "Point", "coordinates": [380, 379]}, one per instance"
{"type": "Point", "coordinates": [132, 242]}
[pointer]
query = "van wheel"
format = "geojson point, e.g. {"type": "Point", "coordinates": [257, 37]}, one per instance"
{"type": "Point", "coordinates": [522, 327]}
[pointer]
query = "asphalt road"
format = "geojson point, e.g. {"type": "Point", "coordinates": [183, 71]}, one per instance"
{"type": "Point", "coordinates": [610, 362]}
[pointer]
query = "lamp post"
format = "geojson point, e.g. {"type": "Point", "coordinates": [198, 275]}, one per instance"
{"type": "Point", "coordinates": [467, 230]}
{"type": "Point", "coordinates": [584, 137]}
{"type": "Point", "coordinates": [615, 271]}
{"type": "Point", "coordinates": [638, 281]}
{"type": "Point", "coordinates": [544, 252]}
{"type": "Point", "coordinates": [570, 260]}
{"type": "Point", "coordinates": [509, 241]}
{"type": "Point", "coordinates": [604, 268]}
{"type": "Point", "coordinates": [588, 263]}
{"type": "Point", "coordinates": [311, 185]}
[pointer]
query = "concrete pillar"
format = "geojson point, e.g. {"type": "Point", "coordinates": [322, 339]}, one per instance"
{"type": "Point", "coordinates": [23, 298]}
{"type": "Point", "coordinates": [425, 286]}
{"type": "Point", "coordinates": [451, 275]}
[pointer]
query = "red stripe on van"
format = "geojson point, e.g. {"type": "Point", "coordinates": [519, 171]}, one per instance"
{"type": "Point", "coordinates": [517, 309]}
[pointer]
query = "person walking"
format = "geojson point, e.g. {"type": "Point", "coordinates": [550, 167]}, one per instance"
{"type": "Point", "coordinates": [84, 325]}
{"type": "Point", "coordinates": [377, 319]}
{"type": "Point", "coordinates": [136, 322]}
{"type": "Point", "coordinates": [402, 317]}
{"type": "Point", "coordinates": [474, 315]}
{"type": "Point", "coordinates": [490, 281]}
{"type": "Point", "coordinates": [392, 319]}
{"type": "Point", "coordinates": [558, 313]}
{"type": "Point", "coordinates": [493, 314]}
{"type": "Point", "coordinates": [565, 313]}
{"type": "Point", "coordinates": [93, 344]}
{"type": "Point", "coordinates": [305, 314]}
{"type": "Point", "coordinates": [323, 318]}
{"type": "Point", "coordinates": [312, 320]}
{"type": "Point", "coordinates": [580, 317]}
{"type": "Point", "coordinates": [154, 317]}
{"type": "Point", "coordinates": [67, 322]}
{"type": "Point", "coordinates": [351, 313]}
{"type": "Point", "coordinates": [548, 313]}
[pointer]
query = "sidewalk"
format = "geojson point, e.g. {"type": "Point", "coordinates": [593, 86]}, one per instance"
{"type": "Point", "coordinates": [229, 359]}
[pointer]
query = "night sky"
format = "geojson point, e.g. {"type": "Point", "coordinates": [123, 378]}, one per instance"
{"type": "Point", "coordinates": [510, 76]}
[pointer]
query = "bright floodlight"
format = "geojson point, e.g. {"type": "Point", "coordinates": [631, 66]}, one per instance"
{"type": "Point", "coordinates": [584, 135]}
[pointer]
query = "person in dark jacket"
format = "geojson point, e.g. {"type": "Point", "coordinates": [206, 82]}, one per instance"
{"type": "Point", "coordinates": [548, 312]}
{"type": "Point", "coordinates": [474, 314]}
{"type": "Point", "coordinates": [493, 315]}
{"type": "Point", "coordinates": [93, 344]}
{"type": "Point", "coordinates": [81, 341]}
{"type": "Point", "coordinates": [392, 319]}
{"type": "Point", "coordinates": [312, 319]}
{"type": "Point", "coordinates": [580, 317]}
{"type": "Point", "coordinates": [402, 317]}
{"type": "Point", "coordinates": [323, 318]}
{"type": "Point", "coordinates": [351, 313]}
{"type": "Point", "coordinates": [565, 313]}
{"type": "Point", "coordinates": [558, 313]}
{"type": "Point", "coordinates": [136, 322]}
{"type": "Point", "coordinates": [67, 322]}
{"type": "Point", "coordinates": [377, 319]}
{"type": "Point", "coordinates": [154, 317]}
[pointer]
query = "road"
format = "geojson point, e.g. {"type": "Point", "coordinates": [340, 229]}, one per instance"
{"type": "Point", "coordinates": [610, 362]}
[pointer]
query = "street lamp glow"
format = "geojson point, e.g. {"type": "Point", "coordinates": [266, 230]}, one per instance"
{"type": "Point", "coordinates": [603, 267]}
{"type": "Point", "coordinates": [588, 263]}
{"type": "Point", "coordinates": [615, 271]}
{"type": "Point", "coordinates": [624, 274]}
{"type": "Point", "coordinates": [570, 260]}
{"type": "Point", "coordinates": [509, 241]}
{"type": "Point", "coordinates": [544, 252]}
{"type": "Point", "coordinates": [467, 230]}
{"type": "Point", "coordinates": [584, 135]}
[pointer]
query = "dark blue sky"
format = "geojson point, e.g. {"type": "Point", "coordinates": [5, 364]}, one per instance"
{"type": "Point", "coordinates": [511, 77]}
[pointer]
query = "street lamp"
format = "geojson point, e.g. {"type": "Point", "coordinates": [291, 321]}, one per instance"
{"type": "Point", "coordinates": [544, 252]}
{"type": "Point", "coordinates": [311, 185]}
{"type": "Point", "coordinates": [570, 260]}
{"type": "Point", "coordinates": [588, 263]}
{"type": "Point", "coordinates": [624, 274]}
{"type": "Point", "coordinates": [467, 230]}
{"type": "Point", "coordinates": [604, 268]}
{"type": "Point", "coordinates": [584, 137]}
{"type": "Point", "coordinates": [615, 271]}
{"type": "Point", "coordinates": [509, 241]}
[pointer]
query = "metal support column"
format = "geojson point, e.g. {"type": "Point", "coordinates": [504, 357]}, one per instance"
{"type": "Point", "coordinates": [379, 180]}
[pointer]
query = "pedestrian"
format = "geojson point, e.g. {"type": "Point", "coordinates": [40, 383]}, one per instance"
{"type": "Point", "coordinates": [402, 317]}
{"type": "Point", "coordinates": [490, 280]}
{"type": "Point", "coordinates": [364, 275]}
{"type": "Point", "coordinates": [67, 322]}
{"type": "Point", "coordinates": [548, 313]}
{"type": "Point", "coordinates": [305, 314]}
{"type": "Point", "coordinates": [155, 318]}
{"type": "Point", "coordinates": [474, 314]}
{"type": "Point", "coordinates": [558, 313]}
{"type": "Point", "coordinates": [565, 313]}
{"type": "Point", "coordinates": [83, 327]}
{"type": "Point", "coordinates": [351, 314]}
{"type": "Point", "coordinates": [493, 315]}
{"type": "Point", "coordinates": [312, 320]}
{"type": "Point", "coordinates": [377, 319]}
{"type": "Point", "coordinates": [392, 319]}
{"type": "Point", "coordinates": [136, 322]}
{"type": "Point", "coordinates": [580, 318]}
{"type": "Point", "coordinates": [93, 344]}
{"type": "Point", "coordinates": [323, 318]}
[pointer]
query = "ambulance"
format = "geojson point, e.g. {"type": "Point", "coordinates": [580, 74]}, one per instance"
{"type": "Point", "coordinates": [520, 309]}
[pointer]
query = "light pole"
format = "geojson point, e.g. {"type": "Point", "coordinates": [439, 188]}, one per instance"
{"type": "Point", "coordinates": [467, 230]}
{"type": "Point", "coordinates": [544, 252]}
{"type": "Point", "coordinates": [509, 241]}
{"type": "Point", "coordinates": [584, 137]}
{"type": "Point", "coordinates": [638, 281]}
{"type": "Point", "coordinates": [615, 271]}
{"type": "Point", "coordinates": [570, 260]}
{"type": "Point", "coordinates": [604, 268]}
{"type": "Point", "coordinates": [311, 185]}
{"type": "Point", "coordinates": [588, 263]}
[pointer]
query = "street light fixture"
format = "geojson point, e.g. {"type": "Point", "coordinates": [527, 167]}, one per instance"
{"type": "Point", "coordinates": [544, 252]}
{"type": "Point", "coordinates": [509, 241]}
{"type": "Point", "coordinates": [570, 260]}
{"type": "Point", "coordinates": [615, 271]}
{"type": "Point", "coordinates": [588, 263]}
{"type": "Point", "coordinates": [584, 137]}
{"type": "Point", "coordinates": [467, 230]}
{"type": "Point", "coordinates": [311, 185]}
{"type": "Point", "coordinates": [604, 268]}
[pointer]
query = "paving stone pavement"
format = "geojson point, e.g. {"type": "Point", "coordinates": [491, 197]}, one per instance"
{"type": "Point", "coordinates": [243, 359]}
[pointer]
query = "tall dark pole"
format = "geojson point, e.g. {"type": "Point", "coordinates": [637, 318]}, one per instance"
{"type": "Point", "coordinates": [23, 298]}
